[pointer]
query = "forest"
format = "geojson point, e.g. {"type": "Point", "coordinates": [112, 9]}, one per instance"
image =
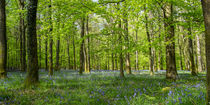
{"type": "Point", "coordinates": [104, 52]}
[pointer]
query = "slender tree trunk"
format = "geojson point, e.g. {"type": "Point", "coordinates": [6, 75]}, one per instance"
{"type": "Point", "coordinates": [88, 45]}
{"type": "Point", "coordinates": [3, 40]}
{"type": "Point", "coordinates": [150, 47]}
{"type": "Point", "coordinates": [69, 60]}
{"type": "Point", "coordinates": [180, 53]}
{"type": "Point", "coordinates": [57, 66]}
{"type": "Point", "coordinates": [192, 62]}
{"type": "Point", "coordinates": [206, 11]}
{"type": "Point", "coordinates": [32, 77]}
{"type": "Point", "coordinates": [171, 72]}
{"type": "Point", "coordinates": [126, 32]}
{"type": "Point", "coordinates": [155, 61]}
{"type": "Point", "coordinates": [82, 59]}
{"type": "Point", "coordinates": [199, 54]}
{"type": "Point", "coordinates": [121, 55]}
{"type": "Point", "coordinates": [51, 41]}
{"type": "Point", "coordinates": [74, 53]}
{"type": "Point", "coordinates": [137, 61]}
{"type": "Point", "coordinates": [160, 58]}
{"type": "Point", "coordinates": [16, 53]}
{"type": "Point", "coordinates": [113, 62]}
{"type": "Point", "coordinates": [46, 53]}
{"type": "Point", "coordinates": [40, 52]}
{"type": "Point", "coordinates": [116, 64]}
{"type": "Point", "coordinates": [22, 37]}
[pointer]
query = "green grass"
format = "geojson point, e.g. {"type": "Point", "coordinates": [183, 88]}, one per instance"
{"type": "Point", "coordinates": [104, 88]}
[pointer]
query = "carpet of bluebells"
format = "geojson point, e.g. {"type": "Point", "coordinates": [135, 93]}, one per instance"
{"type": "Point", "coordinates": [104, 88]}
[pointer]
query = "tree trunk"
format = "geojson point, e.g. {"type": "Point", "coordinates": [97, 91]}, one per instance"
{"type": "Point", "coordinates": [51, 41]}
{"type": "Point", "coordinates": [3, 40]}
{"type": "Point", "coordinates": [69, 58]}
{"type": "Point", "coordinates": [126, 32]}
{"type": "Point", "coordinates": [206, 11]}
{"type": "Point", "coordinates": [82, 59]}
{"type": "Point", "coordinates": [40, 52]}
{"type": "Point", "coordinates": [46, 53]}
{"type": "Point", "coordinates": [74, 53]}
{"type": "Point", "coordinates": [116, 65]}
{"type": "Point", "coordinates": [32, 77]}
{"type": "Point", "coordinates": [137, 61]}
{"type": "Point", "coordinates": [192, 62]}
{"type": "Point", "coordinates": [88, 46]}
{"type": "Point", "coordinates": [57, 66]}
{"type": "Point", "coordinates": [180, 53]}
{"type": "Point", "coordinates": [199, 54]}
{"type": "Point", "coordinates": [150, 47]}
{"type": "Point", "coordinates": [160, 58]}
{"type": "Point", "coordinates": [171, 72]}
{"type": "Point", "coordinates": [121, 55]}
{"type": "Point", "coordinates": [22, 36]}
{"type": "Point", "coordinates": [113, 62]}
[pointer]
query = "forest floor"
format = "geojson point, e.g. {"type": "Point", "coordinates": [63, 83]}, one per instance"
{"type": "Point", "coordinates": [104, 88]}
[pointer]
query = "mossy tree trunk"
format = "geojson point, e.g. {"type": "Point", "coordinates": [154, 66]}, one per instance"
{"type": "Point", "coordinates": [206, 11]}
{"type": "Point", "coordinates": [32, 77]}
{"type": "Point", "coordinates": [3, 41]}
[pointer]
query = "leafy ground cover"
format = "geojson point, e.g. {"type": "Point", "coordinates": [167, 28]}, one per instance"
{"type": "Point", "coordinates": [104, 88]}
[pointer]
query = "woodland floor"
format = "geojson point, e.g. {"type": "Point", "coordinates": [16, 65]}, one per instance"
{"type": "Point", "coordinates": [104, 88]}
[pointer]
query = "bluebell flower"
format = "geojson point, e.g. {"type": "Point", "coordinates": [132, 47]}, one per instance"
{"type": "Point", "coordinates": [180, 100]}
{"type": "Point", "coordinates": [134, 95]}
{"type": "Point", "coordinates": [198, 85]}
{"type": "Point", "coordinates": [170, 93]}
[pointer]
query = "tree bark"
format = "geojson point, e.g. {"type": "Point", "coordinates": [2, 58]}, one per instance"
{"type": "Point", "coordinates": [51, 41]}
{"type": "Point", "coordinates": [116, 64]}
{"type": "Point", "coordinates": [171, 72]}
{"type": "Point", "coordinates": [22, 37]}
{"type": "Point", "coordinates": [32, 77]}
{"type": "Point", "coordinates": [113, 62]}
{"type": "Point", "coordinates": [121, 55]}
{"type": "Point", "coordinates": [57, 66]}
{"type": "Point", "coordinates": [190, 43]}
{"type": "Point", "coordinates": [206, 12]}
{"type": "Point", "coordinates": [82, 59]}
{"type": "Point", "coordinates": [74, 53]}
{"type": "Point", "coordinates": [136, 61]}
{"type": "Point", "coordinates": [69, 58]}
{"type": "Point", "coordinates": [88, 47]}
{"type": "Point", "coordinates": [180, 53]}
{"type": "Point", "coordinates": [199, 54]}
{"type": "Point", "coordinates": [126, 32]}
{"type": "Point", "coordinates": [150, 47]}
{"type": "Point", "coordinates": [3, 40]}
{"type": "Point", "coordinates": [89, 66]}
{"type": "Point", "coordinates": [46, 53]}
